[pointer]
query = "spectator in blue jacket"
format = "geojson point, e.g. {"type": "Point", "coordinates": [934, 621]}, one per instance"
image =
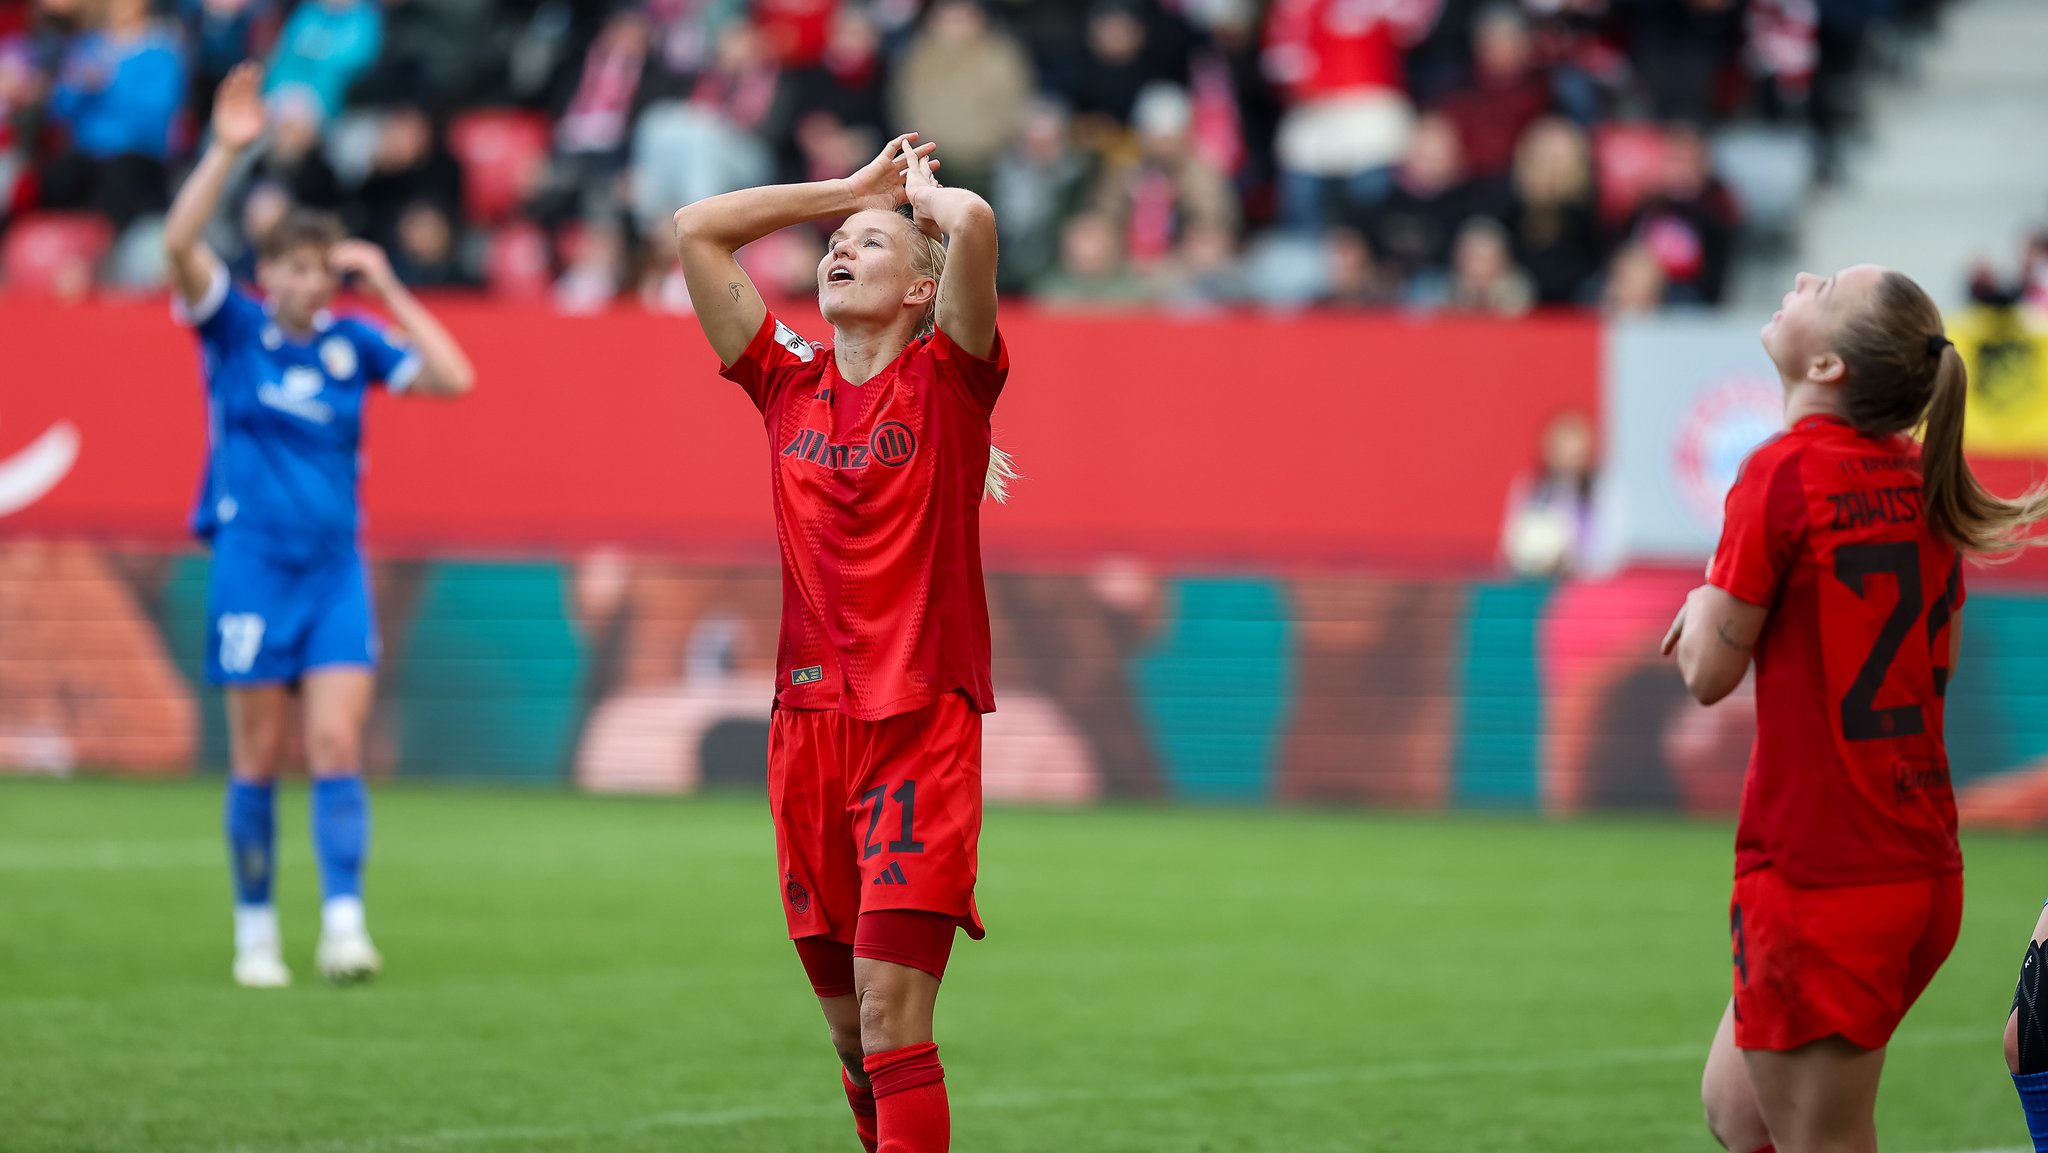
{"type": "Point", "coordinates": [117, 97]}
{"type": "Point", "coordinates": [324, 46]}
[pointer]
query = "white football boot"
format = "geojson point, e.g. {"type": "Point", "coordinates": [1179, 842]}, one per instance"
{"type": "Point", "coordinates": [259, 958]}
{"type": "Point", "coordinates": [345, 955]}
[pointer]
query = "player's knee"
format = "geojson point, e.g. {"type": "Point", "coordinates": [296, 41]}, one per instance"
{"type": "Point", "coordinates": [883, 1019]}
{"type": "Point", "coordinates": [256, 760]}
{"type": "Point", "coordinates": [846, 1043]}
{"type": "Point", "coordinates": [1733, 1121]}
{"type": "Point", "coordinates": [333, 748]}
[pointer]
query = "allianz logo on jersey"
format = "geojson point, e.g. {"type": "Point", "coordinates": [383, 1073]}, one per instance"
{"type": "Point", "coordinates": [892, 444]}
{"type": "Point", "coordinates": [298, 394]}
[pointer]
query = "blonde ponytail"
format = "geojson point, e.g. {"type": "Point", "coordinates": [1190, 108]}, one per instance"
{"type": "Point", "coordinates": [1965, 512]}
{"type": "Point", "coordinates": [1001, 471]}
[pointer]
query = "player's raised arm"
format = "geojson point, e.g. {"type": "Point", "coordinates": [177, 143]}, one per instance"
{"type": "Point", "coordinates": [444, 368]}
{"type": "Point", "coordinates": [237, 123]}
{"type": "Point", "coordinates": [709, 232]}
{"type": "Point", "coordinates": [967, 289]}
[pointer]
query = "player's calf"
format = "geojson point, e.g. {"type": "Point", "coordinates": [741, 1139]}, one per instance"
{"type": "Point", "coordinates": [853, 1077]}
{"type": "Point", "coordinates": [2026, 1042]}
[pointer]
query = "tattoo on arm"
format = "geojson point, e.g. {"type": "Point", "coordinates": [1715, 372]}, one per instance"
{"type": "Point", "coordinates": [1728, 638]}
{"type": "Point", "coordinates": [735, 287]}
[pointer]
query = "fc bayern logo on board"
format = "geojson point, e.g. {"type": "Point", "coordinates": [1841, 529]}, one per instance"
{"type": "Point", "coordinates": [799, 897]}
{"type": "Point", "coordinates": [893, 443]}
{"type": "Point", "coordinates": [1726, 422]}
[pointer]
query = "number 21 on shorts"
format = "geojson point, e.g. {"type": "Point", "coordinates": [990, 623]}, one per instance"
{"type": "Point", "coordinates": [874, 801]}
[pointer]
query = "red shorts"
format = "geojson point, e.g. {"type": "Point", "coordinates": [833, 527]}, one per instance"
{"type": "Point", "coordinates": [1847, 960]}
{"type": "Point", "coordinates": [876, 815]}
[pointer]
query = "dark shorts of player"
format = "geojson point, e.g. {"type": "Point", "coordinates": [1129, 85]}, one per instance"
{"type": "Point", "coordinates": [271, 620]}
{"type": "Point", "coordinates": [1849, 960]}
{"type": "Point", "coordinates": [876, 815]}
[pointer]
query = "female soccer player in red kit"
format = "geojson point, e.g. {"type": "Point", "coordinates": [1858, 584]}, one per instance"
{"type": "Point", "coordinates": [1840, 572]}
{"type": "Point", "coordinates": [879, 455]}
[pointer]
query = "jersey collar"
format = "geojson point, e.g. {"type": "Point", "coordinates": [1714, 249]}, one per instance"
{"type": "Point", "coordinates": [1820, 420]}
{"type": "Point", "coordinates": [274, 337]}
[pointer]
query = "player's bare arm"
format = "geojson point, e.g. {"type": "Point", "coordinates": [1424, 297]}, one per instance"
{"type": "Point", "coordinates": [237, 125]}
{"type": "Point", "coordinates": [709, 232]}
{"type": "Point", "coordinates": [967, 289]}
{"type": "Point", "coordinates": [1714, 636]}
{"type": "Point", "coordinates": [445, 370]}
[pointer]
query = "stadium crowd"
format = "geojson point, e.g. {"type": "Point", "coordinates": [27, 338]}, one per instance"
{"type": "Point", "coordinates": [1484, 155]}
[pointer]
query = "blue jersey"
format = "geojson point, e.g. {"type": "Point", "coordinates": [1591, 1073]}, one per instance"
{"type": "Point", "coordinates": [285, 422]}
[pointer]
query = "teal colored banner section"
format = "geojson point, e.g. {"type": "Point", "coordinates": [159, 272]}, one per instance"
{"type": "Point", "coordinates": [1496, 763]}
{"type": "Point", "coordinates": [491, 676]}
{"type": "Point", "coordinates": [181, 616]}
{"type": "Point", "coordinates": [1997, 715]}
{"type": "Point", "coordinates": [1215, 688]}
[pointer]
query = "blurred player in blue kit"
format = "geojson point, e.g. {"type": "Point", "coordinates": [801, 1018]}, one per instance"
{"type": "Point", "coordinates": [288, 608]}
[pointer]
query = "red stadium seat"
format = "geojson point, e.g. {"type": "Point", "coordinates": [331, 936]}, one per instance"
{"type": "Point", "coordinates": [1629, 162]}
{"type": "Point", "coordinates": [516, 266]}
{"type": "Point", "coordinates": [54, 253]}
{"type": "Point", "coordinates": [500, 151]}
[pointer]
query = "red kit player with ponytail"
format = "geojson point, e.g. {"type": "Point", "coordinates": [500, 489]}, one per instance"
{"type": "Point", "coordinates": [879, 454]}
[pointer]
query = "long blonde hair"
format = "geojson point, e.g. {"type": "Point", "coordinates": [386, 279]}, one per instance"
{"type": "Point", "coordinates": [1903, 373]}
{"type": "Point", "coordinates": [928, 258]}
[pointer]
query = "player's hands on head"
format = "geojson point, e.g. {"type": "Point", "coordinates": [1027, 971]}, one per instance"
{"type": "Point", "coordinates": [366, 262]}
{"type": "Point", "coordinates": [879, 183]}
{"type": "Point", "coordinates": [238, 107]}
{"type": "Point", "coordinates": [919, 185]}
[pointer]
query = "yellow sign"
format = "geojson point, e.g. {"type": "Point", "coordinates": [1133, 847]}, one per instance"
{"type": "Point", "coordinates": [2007, 352]}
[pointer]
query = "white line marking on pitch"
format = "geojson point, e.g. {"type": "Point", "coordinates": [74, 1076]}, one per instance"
{"type": "Point", "coordinates": [1033, 1099]}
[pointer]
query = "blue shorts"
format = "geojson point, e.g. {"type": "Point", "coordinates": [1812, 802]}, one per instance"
{"type": "Point", "coordinates": [271, 620]}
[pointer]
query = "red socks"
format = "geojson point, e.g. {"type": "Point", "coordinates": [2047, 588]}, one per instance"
{"type": "Point", "coordinates": [909, 1087]}
{"type": "Point", "coordinates": [863, 1103]}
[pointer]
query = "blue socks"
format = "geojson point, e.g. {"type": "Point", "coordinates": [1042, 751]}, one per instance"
{"type": "Point", "coordinates": [2033, 1089]}
{"type": "Point", "coordinates": [341, 834]}
{"type": "Point", "coordinates": [251, 820]}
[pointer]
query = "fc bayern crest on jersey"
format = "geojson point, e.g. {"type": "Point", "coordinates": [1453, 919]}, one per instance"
{"type": "Point", "coordinates": [339, 356]}
{"type": "Point", "coordinates": [799, 897]}
{"type": "Point", "coordinates": [787, 338]}
{"type": "Point", "coordinates": [1726, 422]}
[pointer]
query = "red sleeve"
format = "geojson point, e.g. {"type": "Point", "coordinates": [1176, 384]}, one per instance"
{"type": "Point", "coordinates": [769, 362]}
{"type": "Point", "coordinates": [1762, 528]}
{"type": "Point", "coordinates": [980, 379]}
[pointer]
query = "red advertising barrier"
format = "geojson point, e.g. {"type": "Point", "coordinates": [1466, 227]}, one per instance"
{"type": "Point", "coordinates": [1213, 440]}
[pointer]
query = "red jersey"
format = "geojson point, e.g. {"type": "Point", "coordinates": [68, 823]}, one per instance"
{"type": "Point", "coordinates": [1849, 781]}
{"type": "Point", "coordinates": [878, 510]}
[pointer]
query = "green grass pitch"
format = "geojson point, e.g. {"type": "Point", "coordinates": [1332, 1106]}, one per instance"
{"type": "Point", "coordinates": [571, 973]}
